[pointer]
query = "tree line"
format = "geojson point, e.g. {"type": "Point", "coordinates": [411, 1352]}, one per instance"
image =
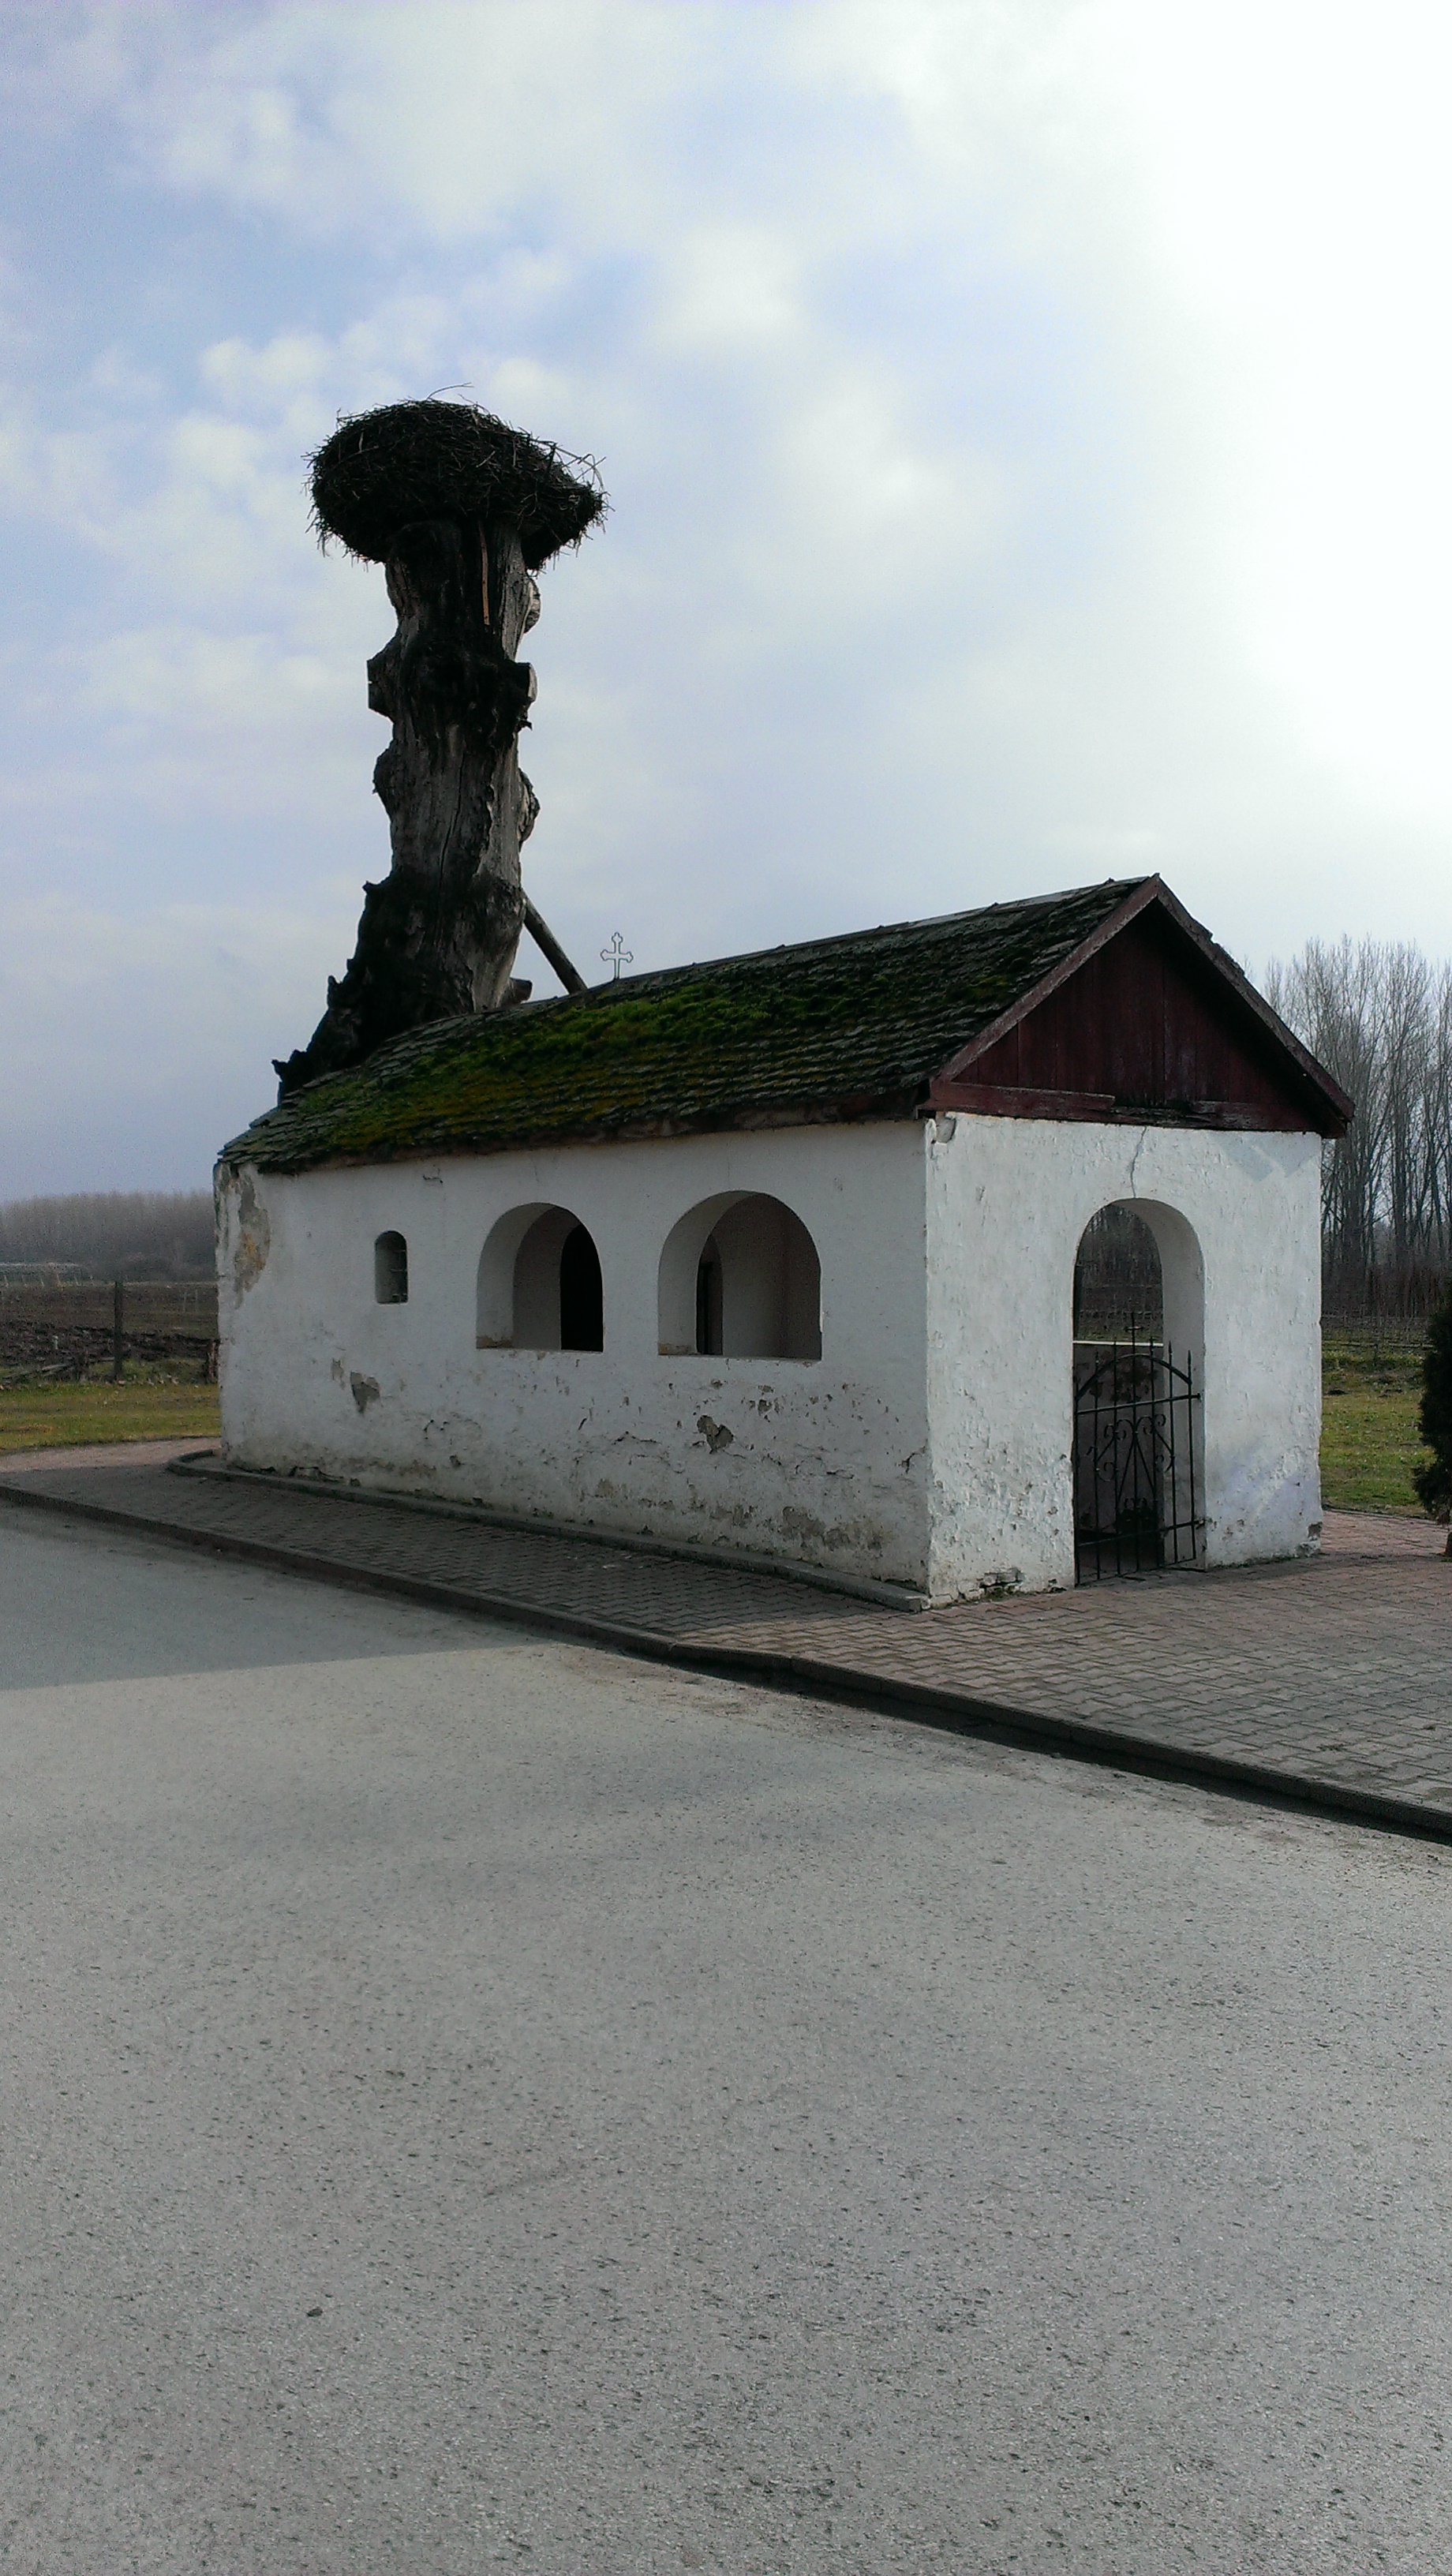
{"type": "Point", "coordinates": [1378, 1015]}
{"type": "Point", "coordinates": [113, 1234]}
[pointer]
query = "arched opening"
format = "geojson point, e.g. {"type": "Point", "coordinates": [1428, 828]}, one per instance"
{"type": "Point", "coordinates": [740, 1279]}
{"type": "Point", "coordinates": [1138, 1355]}
{"type": "Point", "coordinates": [539, 1286]}
{"type": "Point", "coordinates": [390, 1270]}
{"type": "Point", "coordinates": [1118, 1279]}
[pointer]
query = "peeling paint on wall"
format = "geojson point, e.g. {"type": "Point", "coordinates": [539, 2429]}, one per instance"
{"type": "Point", "coordinates": [251, 1235]}
{"type": "Point", "coordinates": [608, 1438]}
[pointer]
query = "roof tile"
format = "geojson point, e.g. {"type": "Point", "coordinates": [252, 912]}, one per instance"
{"type": "Point", "coordinates": [852, 1026]}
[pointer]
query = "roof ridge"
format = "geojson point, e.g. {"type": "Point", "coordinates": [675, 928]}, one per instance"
{"type": "Point", "coordinates": [401, 1051]}
{"type": "Point", "coordinates": [856, 1024]}
{"type": "Point", "coordinates": [1120, 887]}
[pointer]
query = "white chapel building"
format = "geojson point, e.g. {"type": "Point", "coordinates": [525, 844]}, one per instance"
{"type": "Point", "coordinates": [778, 1256]}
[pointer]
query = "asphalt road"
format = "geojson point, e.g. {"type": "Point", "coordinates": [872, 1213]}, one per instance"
{"type": "Point", "coordinates": [471, 2101]}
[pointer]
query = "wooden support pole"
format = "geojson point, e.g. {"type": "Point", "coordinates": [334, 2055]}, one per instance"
{"type": "Point", "coordinates": [118, 1322]}
{"type": "Point", "coordinates": [549, 947]}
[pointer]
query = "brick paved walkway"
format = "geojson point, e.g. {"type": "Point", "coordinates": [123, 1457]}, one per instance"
{"type": "Point", "coordinates": [1329, 1680]}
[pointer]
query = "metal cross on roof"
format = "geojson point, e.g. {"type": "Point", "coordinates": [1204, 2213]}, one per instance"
{"type": "Point", "coordinates": [617, 954]}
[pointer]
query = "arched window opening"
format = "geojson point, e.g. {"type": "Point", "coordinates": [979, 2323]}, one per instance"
{"type": "Point", "coordinates": [390, 1270]}
{"type": "Point", "coordinates": [1138, 1334]}
{"type": "Point", "coordinates": [740, 1279]}
{"type": "Point", "coordinates": [539, 1286]}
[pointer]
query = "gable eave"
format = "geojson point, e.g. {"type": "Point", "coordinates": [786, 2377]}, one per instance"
{"type": "Point", "coordinates": [1009, 1019]}
{"type": "Point", "coordinates": [1338, 1104]}
{"type": "Point", "coordinates": [1335, 1109]}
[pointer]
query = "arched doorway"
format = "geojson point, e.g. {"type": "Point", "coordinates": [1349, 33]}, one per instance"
{"type": "Point", "coordinates": [1137, 1364]}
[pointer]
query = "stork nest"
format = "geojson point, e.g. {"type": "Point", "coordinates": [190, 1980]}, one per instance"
{"type": "Point", "coordinates": [448, 460]}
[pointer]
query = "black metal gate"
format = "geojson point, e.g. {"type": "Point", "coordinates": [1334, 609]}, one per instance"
{"type": "Point", "coordinates": [1134, 1459]}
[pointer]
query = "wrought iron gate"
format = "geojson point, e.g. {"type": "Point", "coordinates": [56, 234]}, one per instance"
{"type": "Point", "coordinates": [1134, 1459]}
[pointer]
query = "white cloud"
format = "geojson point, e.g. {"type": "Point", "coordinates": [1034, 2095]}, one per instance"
{"type": "Point", "coordinates": [1302, 216]}
{"type": "Point", "coordinates": [443, 113]}
{"type": "Point", "coordinates": [729, 290]}
{"type": "Point", "coordinates": [294, 365]}
{"type": "Point", "coordinates": [65, 476]}
{"type": "Point", "coordinates": [1023, 420]}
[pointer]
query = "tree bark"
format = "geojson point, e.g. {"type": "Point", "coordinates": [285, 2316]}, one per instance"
{"type": "Point", "coordinates": [438, 935]}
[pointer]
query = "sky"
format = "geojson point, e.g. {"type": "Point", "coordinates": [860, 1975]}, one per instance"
{"type": "Point", "coordinates": [1026, 429]}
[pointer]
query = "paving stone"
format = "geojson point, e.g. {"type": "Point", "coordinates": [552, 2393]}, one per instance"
{"type": "Point", "coordinates": [1331, 1676]}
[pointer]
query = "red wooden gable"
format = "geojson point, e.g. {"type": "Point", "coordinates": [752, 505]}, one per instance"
{"type": "Point", "coordinates": [1148, 1023]}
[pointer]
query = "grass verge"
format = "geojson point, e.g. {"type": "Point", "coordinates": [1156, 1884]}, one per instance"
{"type": "Point", "coordinates": [1369, 1442]}
{"type": "Point", "coordinates": [1369, 1446]}
{"type": "Point", "coordinates": [73, 1416]}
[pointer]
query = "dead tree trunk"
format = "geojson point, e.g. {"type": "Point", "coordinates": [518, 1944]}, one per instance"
{"type": "Point", "coordinates": [438, 934]}
{"type": "Point", "coordinates": [457, 508]}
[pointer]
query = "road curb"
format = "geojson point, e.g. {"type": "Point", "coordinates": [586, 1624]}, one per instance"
{"type": "Point", "coordinates": [1079, 1739]}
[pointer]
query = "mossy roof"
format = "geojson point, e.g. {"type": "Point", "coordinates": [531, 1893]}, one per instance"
{"type": "Point", "coordinates": [849, 1027]}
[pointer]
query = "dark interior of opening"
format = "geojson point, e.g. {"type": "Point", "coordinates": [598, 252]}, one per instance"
{"type": "Point", "coordinates": [390, 1270]}
{"type": "Point", "coordinates": [708, 1300]}
{"type": "Point", "coordinates": [582, 1294]}
{"type": "Point", "coordinates": [1118, 1289]}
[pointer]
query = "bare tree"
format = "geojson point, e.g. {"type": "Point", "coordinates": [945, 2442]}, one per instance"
{"type": "Point", "coordinates": [1379, 1016]}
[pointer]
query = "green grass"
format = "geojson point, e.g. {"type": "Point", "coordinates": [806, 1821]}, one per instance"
{"type": "Point", "coordinates": [1369, 1445]}
{"type": "Point", "coordinates": [1369, 1441]}
{"type": "Point", "coordinates": [75, 1415]}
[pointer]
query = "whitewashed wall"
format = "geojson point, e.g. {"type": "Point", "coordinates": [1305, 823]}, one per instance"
{"type": "Point", "coordinates": [930, 1445]}
{"type": "Point", "coordinates": [823, 1462]}
{"type": "Point", "coordinates": [1237, 1218]}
